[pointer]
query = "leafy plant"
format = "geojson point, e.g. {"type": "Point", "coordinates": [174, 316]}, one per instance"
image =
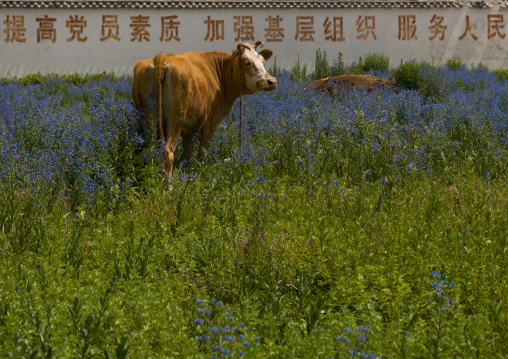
{"type": "Point", "coordinates": [375, 62]}
{"type": "Point", "coordinates": [408, 75]}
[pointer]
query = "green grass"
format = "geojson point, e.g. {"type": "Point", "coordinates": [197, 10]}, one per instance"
{"type": "Point", "coordinates": [317, 256]}
{"type": "Point", "coordinates": [296, 270]}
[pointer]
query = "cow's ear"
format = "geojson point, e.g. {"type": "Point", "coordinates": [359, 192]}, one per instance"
{"type": "Point", "coordinates": [266, 54]}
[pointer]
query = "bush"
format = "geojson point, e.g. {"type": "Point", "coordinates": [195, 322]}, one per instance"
{"type": "Point", "coordinates": [322, 66]}
{"type": "Point", "coordinates": [407, 75]}
{"type": "Point", "coordinates": [338, 68]}
{"type": "Point", "coordinates": [299, 72]}
{"type": "Point", "coordinates": [376, 61]}
{"type": "Point", "coordinates": [454, 64]}
{"type": "Point", "coordinates": [501, 74]}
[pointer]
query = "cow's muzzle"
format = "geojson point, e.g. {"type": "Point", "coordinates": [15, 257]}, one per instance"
{"type": "Point", "coordinates": [271, 84]}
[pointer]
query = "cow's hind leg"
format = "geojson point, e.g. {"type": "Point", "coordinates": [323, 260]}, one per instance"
{"type": "Point", "coordinates": [169, 152]}
{"type": "Point", "coordinates": [206, 138]}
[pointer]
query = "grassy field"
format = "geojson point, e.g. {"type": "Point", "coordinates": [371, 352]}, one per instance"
{"type": "Point", "coordinates": [368, 225]}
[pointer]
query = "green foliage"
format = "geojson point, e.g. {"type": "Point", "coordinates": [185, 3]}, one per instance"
{"type": "Point", "coordinates": [339, 67]}
{"type": "Point", "coordinates": [74, 79]}
{"type": "Point", "coordinates": [299, 72]}
{"type": "Point", "coordinates": [454, 64]}
{"type": "Point", "coordinates": [408, 75]}
{"type": "Point", "coordinates": [322, 68]}
{"type": "Point", "coordinates": [375, 61]}
{"type": "Point", "coordinates": [324, 253]}
{"type": "Point", "coordinates": [276, 71]}
{"type": "Point", "coordinates": [501, 73]}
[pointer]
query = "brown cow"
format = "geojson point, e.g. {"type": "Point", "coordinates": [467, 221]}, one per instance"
{"type": "Point", "coordinates": [194, 91]}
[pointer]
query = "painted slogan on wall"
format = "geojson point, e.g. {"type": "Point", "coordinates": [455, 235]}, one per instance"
{"type": "Point", "coordinates": [91, 40]}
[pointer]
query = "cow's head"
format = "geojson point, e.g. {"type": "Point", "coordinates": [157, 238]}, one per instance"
{"type": "Point", "coordinates": [252, 67]}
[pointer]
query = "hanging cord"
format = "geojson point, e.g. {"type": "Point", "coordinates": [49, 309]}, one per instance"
{"type": "Point", "coordinates": [240, 125]}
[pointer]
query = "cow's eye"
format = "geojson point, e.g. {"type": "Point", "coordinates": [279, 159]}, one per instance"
{"type": "Point", "coordinates": [247, 63]}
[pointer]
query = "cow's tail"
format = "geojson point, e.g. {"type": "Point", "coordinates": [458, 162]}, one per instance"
{"type": "Point", "coordinates": [159, 78]}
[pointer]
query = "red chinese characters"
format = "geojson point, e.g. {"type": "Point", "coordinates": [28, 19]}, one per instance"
{"type": "Point", "coordinates": [110, 28]}
{"type": "Point", "coordinates": [407, 28]}
{"type": "Point", "coordinates": [46, 29]}
{"type": "Point", "coordinates": [169, 28]}
{"type": "Point", "coordinates": [243, 28]}
{"type": "Point", "coordinates": [437, 29]}
{"type": "Point", "coordinates": [139, 32]}
{"type": "Point", "coordinates": [334, 29]}
{"type": "Point", "coordinates": [274, 32]}
{"type": "Point", "coordinates": [495, 23]}
{"type": "Point", "coordinates": [468, 30]}
{"type": "Point", "coordinates": [305, 28]}
{"type": "Point", "coordinates": [365, 26]}
{"type": "Point", "coordinates": [15, 28]}
{"type": "Point", "coordinates": [76, 26]}
{"type": "Point", "coordinates": [215, 29]}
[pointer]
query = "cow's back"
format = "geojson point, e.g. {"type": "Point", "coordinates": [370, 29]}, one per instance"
{"type": "Point", "coordinates": [191, 86]}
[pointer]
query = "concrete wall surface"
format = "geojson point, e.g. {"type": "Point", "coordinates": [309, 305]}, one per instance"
{"type": "Point", "coordinates": [64, 41]}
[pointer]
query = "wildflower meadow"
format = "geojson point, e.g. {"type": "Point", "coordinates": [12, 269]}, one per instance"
{"type": "Point", "coordinates": [358, 225]}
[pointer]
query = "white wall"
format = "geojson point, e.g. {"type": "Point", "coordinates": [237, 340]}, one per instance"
{"type": "Point", "coordinates": [65, 56]}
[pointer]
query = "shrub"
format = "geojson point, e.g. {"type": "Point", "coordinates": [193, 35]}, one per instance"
{"type": "Point", "coordinates": [454, 64]}
{"type": "Point", "coordinates": [322, 66]}
{"type": "Point", "coordinates": [376, 61]}
{"type": "Point", "coordinates": [407, 75]}
{"type": "Point", "coordinates": [338, 68]}
{"type": "Point", "coordinates": [299, 72]}
{"type": "Point", "coordinates": [501, 73]}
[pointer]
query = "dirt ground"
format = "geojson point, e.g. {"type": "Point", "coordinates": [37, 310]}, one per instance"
{"type": "Point", "coordinates": [334, 84]}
